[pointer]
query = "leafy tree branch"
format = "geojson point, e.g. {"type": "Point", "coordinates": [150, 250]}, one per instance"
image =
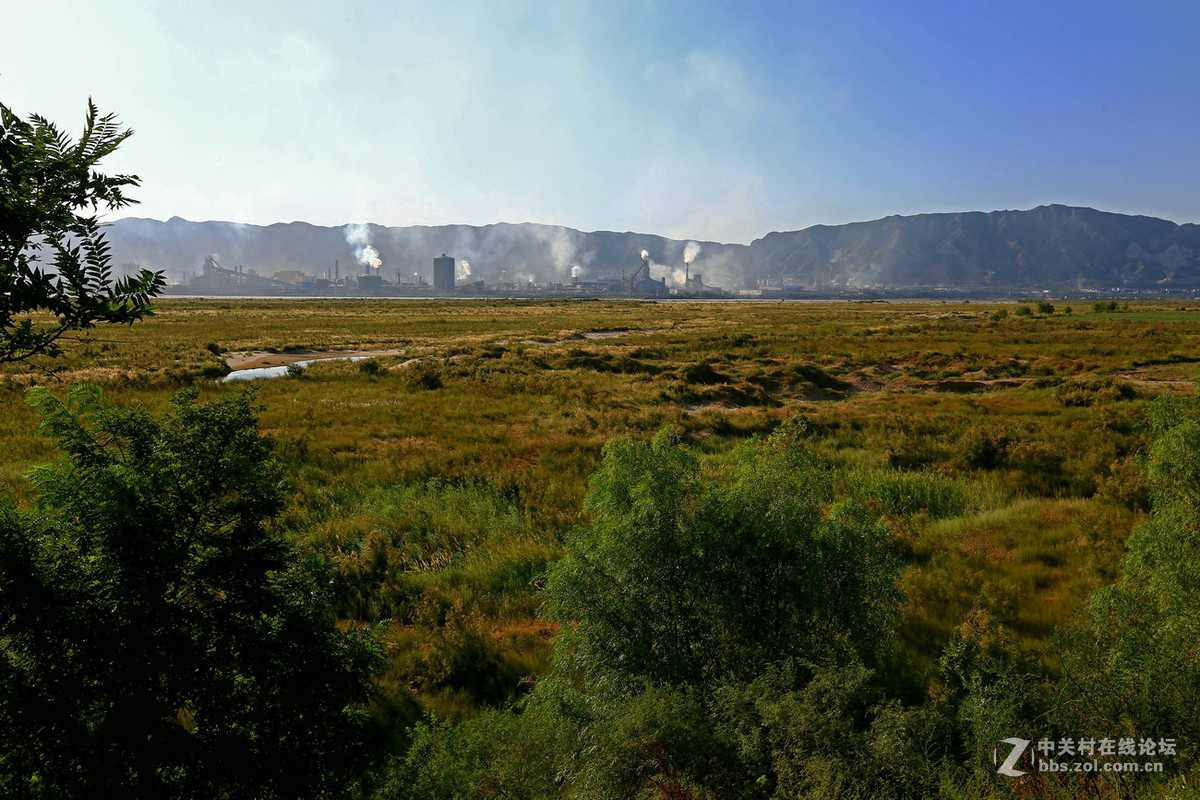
{"type": "Point", "coordinates": [55, 265]}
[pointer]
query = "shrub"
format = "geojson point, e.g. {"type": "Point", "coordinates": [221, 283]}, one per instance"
{"type": "Point", "coordinates": [983, 446]}
{"type": "Point", "coordinates": [671, 581]}
{"type": "Point", "coordinates": [702, 373]}
{"type": "Point", "coordinates": [1102, 392]}
{"type": "Point", "coordinates": [1123, 484]}
{"type": "Point", "coordinates": [423, 376]}
{"type": "Point", "coordinates": [1129, 660]}
{"type": "Point", "coordinates": [156, 639]}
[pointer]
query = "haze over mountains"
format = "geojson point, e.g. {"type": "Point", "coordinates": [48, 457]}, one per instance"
{"type": "Point", "coordinates": [1051, 246]}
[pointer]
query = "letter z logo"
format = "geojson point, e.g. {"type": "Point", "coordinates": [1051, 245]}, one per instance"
{"type": "Point", "coordinates": [1018, 749]}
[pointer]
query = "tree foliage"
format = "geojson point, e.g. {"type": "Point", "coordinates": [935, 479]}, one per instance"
{"type": "Point", "coordinates": [716, 642]}
{"type": "Point", "coordinates": [1131, 663]}
{"type": "Point", "coordinates": [156, 639]}
{"type": "Point", "coordinates": [51, 194]}
{"type": "Point", "coordinates": [681, 580]}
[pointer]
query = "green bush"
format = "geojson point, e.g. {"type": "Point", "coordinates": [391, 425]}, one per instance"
{"type": "Point", "coordinates": [1101, 392]}
{"type": "Point", "coordinates": [1128, 660]}
{"type": "Point", "coordinates": [669, 583]}
{"type": "Point", "coordinates": [983, 446]}
{"type": "Point", "coordinates": [156, 638]}
{"type": "Point", "coordinates": [498, 754]}
{"type": "Point", "coordinates": [423, 376]}
{"type": "Point", "coordinates": [702, 373]}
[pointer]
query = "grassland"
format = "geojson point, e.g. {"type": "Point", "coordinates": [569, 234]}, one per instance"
{"type": "Point", "coordinates": [438, 480]}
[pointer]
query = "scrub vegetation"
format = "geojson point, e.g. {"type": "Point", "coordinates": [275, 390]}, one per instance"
{"type": "Point", "coordinates": [689, 549]}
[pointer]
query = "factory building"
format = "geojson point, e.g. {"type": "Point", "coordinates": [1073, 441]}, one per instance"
{"type": "Point", "coordinates": [443, 274]}
{"type": "Point", "coordinates": [641, 282]}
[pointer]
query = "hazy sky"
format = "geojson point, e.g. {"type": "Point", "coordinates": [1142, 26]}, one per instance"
{"type": "Point", "coordinates": [706, 120]}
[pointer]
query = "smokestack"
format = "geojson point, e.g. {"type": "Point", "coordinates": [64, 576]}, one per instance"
{"type": "Point", "coordinates": [336, 272]}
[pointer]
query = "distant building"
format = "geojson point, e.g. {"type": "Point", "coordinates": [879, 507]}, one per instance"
{"type": "Point", "coordinates": [641, 282]}
{"type": "Point", "coordinates": [291, 276]}
{"type": "Point", "coordinates": [443, 274]}
{"type": "Point", "coordinates": [650, 287]}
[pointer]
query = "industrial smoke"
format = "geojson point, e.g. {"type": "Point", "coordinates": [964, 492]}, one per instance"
{"type": "Point", "coordinates": [358, 236]}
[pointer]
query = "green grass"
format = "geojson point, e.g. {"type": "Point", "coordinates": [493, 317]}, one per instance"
{"type": "Point", "coordinates": [1000, 452]}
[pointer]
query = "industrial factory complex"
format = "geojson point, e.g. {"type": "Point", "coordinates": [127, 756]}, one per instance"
{"type": "Point", "coordinates": [444, 280]}
{"type": "Point", "coordinates": [450, 277]}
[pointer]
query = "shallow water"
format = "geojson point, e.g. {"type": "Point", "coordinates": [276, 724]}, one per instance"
{"type": "Point", "coordinates": [275, 372]}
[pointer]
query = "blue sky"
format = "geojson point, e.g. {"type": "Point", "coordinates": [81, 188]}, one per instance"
{"type": "Point", "coordinates": [706, 120]}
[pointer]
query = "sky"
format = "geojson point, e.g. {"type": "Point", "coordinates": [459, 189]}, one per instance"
{"type": "Point", "coordinates": [695, 119]}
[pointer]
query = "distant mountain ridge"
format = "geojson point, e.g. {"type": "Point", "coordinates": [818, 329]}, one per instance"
{"type": "Point", "coordinates": [1049, 246]}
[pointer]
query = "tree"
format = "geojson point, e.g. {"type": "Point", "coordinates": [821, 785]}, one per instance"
{"type": "Point", "coordinates": [676, 581]}
{"type": "Point", "coordinates": [1130, 661]}
{"type": "Point", "coordinates": [713, 640]}
{"type": "Point", "coordinates": [156, 638]}
{"type": "Point", "coordinates": [50, 197]}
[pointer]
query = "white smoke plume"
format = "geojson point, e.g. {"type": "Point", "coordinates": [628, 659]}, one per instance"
{"type": "Point", "coordinates": [369, 257]}
{"type": "Point", "coordinates": [645, 254]}
{"type": "Point", "coordinates": [576, 271]}
{"type": "Point", "coordinates": [358, 236]}
{"type": "Point", "coordinates": [675, 276]}
{"type": "Point", "coordinates": [561, 247]}
{"type": "Point", "coordinates": [463, 271]}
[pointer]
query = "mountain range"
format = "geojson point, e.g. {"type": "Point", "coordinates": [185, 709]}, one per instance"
{"type": "Point", "coordinates": [1052, 246]}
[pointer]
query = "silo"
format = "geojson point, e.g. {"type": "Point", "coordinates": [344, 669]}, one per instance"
{"type": "Point", "coordinates": [443, 274]}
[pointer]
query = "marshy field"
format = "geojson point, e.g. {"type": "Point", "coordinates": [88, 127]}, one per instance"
{"type": "Point", "coordinates": [439, 473]}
